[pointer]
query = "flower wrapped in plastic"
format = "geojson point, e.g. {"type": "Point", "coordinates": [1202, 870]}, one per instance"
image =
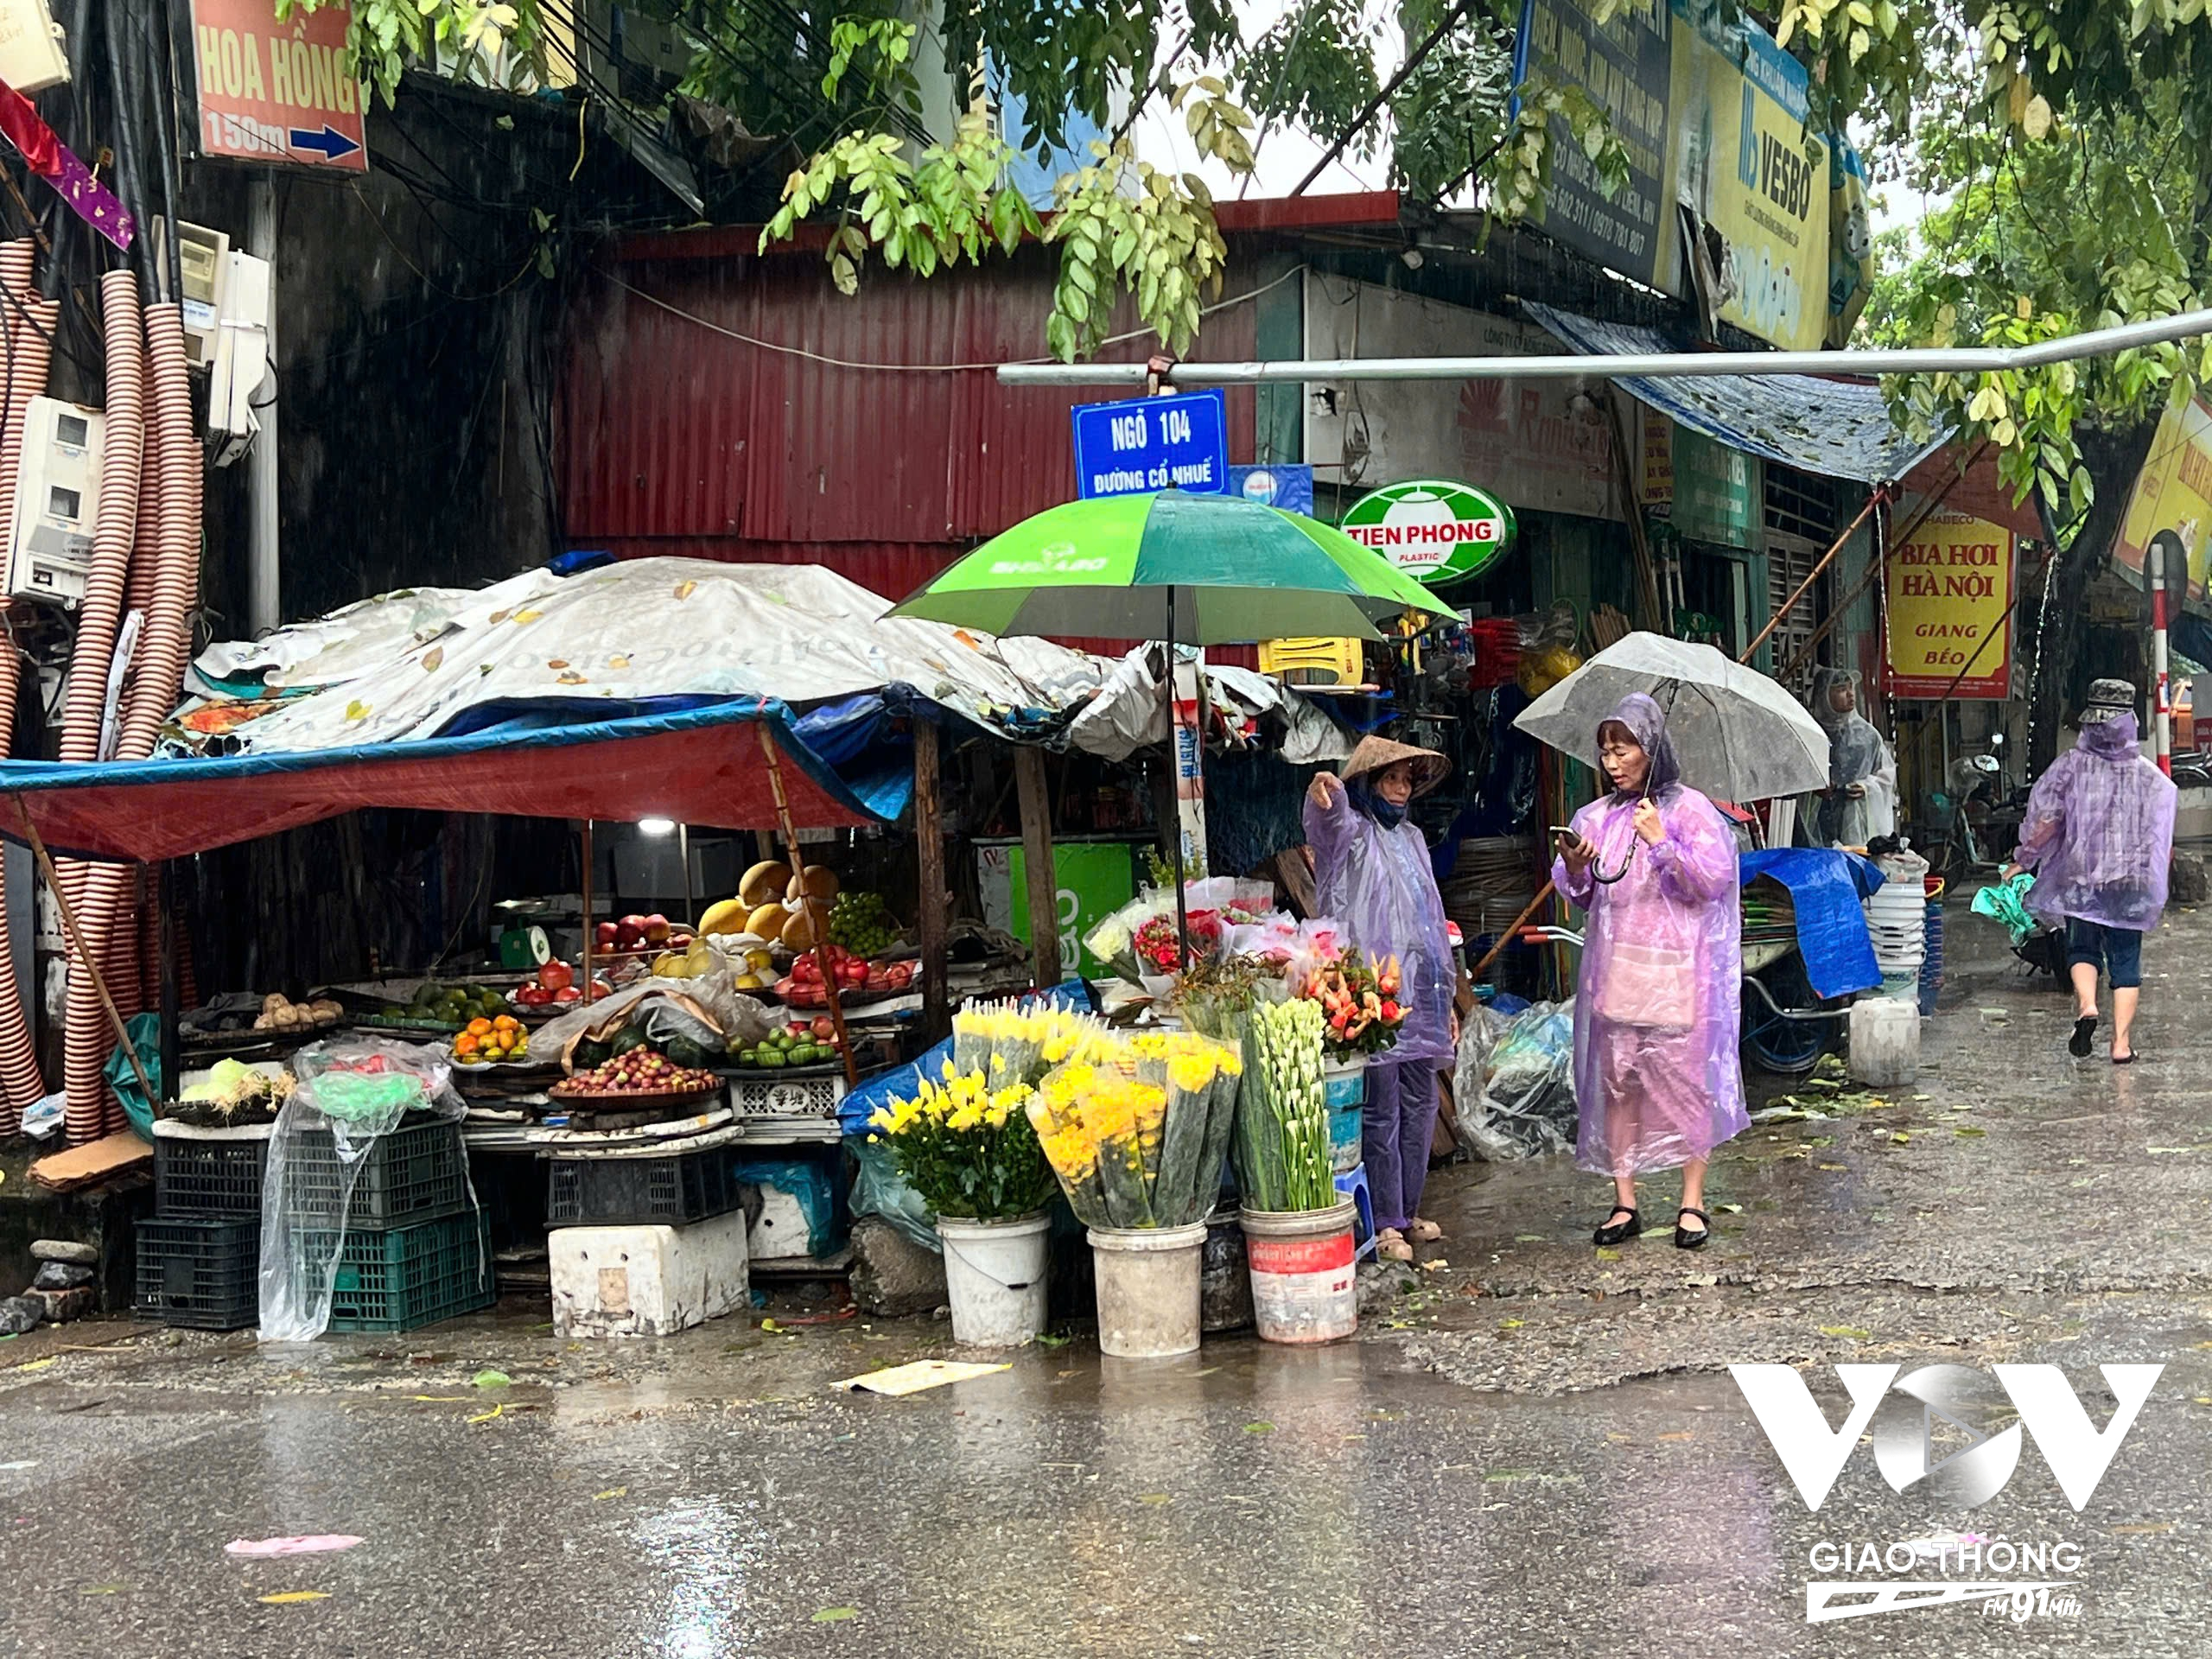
{"type": "Point", "coordinates": [969, 1149]}
{"type": "Point", "coordinates": [1360, 1010]}
{"type": "Point", "coordinates": [1282, 1123]}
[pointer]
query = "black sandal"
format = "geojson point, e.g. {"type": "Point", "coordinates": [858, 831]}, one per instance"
{"type": "Point", "coordinates": [1687, 1239]}
{"type": "Point", "coordinates": [1613, 1232]}
{"type": "Point", "coordinates": [2085, 1027]}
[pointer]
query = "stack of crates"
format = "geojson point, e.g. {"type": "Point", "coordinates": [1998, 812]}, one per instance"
{"type": "Point", "coordinates": [415, 1248]}
{"type": "Point", "coordinates": [200, 1258]}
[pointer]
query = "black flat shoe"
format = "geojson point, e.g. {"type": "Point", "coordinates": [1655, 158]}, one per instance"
{"type": "Point", "coordinates": [1687, 1239]}
{"type": "Point", "coordinates": [1613, 1232]}
{"type": "Point", "coordinates": [2078, 1044]}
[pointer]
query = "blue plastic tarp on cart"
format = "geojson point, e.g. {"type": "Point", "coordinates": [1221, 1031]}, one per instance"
{"type": "Point", "coordinates": [1829, 888]}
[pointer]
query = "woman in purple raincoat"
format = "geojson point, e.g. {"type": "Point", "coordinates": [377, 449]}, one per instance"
{"type": "Point", "coordinates": [1372, 872]}
{"type": "Point", "coordinates": [2098, 834]}
{"type": "Point", "coordinates": [1656, 1078]}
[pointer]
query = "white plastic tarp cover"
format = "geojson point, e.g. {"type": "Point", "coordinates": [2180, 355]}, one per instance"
{"type": "Point", "coordinates": [406, 665]}
{"type": "Point", "coordinates": [1128, 712]}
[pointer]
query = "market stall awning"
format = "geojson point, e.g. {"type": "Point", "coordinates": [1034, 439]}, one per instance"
{"type": "Point", "coordinates": [1836, 428]}
{"type": "Point", "coordinates": [705, 765]}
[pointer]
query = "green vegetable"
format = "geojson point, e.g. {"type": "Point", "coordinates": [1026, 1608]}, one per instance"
{"type": "Point", "coordinates": [627, 1038]}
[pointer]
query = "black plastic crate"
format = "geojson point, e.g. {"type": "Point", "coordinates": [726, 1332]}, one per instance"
{"type": "Point", "coordinates": [205, 1275]}
{"type": "Point", "coordinates": [208, 1180]}
{"type": "Point", "coordinates": [419, 1171]}
{"type": "Point", "coordinates": [400, 1278]}
{"type": "Point", "coordinates": [670, 1190]}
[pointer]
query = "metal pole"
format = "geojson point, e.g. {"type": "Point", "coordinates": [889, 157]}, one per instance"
{"type": "Point", "coordinates": [590, 921]}
{"type": "Point", "coordinates": [265, 601]}
{"type": "Point", "coordinates": [2162, 732]}
{"type": "Point", "coordinates": [1656, 366]}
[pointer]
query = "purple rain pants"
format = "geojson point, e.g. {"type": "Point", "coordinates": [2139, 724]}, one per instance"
{"type": "Point", "coordinates": [1395, 1131]}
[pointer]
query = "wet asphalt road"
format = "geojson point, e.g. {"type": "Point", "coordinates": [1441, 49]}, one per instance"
{"type": "Point", "coordinates": [1538, 1451]}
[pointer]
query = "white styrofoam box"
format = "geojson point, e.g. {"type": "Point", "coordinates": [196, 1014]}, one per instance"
{"type": "Point", "coordinates": [647, 1281]}
{"type": "Point", "coordinates": [780, 1233]}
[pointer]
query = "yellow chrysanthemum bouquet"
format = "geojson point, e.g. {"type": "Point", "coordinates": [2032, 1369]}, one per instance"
{"type": "Point", "coordinates": [1136, 1127]}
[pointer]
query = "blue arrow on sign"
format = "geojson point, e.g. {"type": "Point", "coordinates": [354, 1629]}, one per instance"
{"type": "Point", "coordinates": [330, 143]}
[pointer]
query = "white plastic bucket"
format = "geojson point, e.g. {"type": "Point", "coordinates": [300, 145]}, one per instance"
{"type": "Point", "coordinates": [1304, 1288]}
{"type": "Point", "coordinates": [1885, 1042]}
{"type": "Point", "coordinates": [1147, 1282]}
{"type": "Point", "coordinates": [994, 1279]}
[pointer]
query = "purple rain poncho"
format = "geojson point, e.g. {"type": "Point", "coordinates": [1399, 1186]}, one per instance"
{"type": "Point", "coordinates": [1379, 885]}
{"type": "Point", "coordinates": [1657, 1082]}
{"type": "Point", "coordinates": [2099, 832]}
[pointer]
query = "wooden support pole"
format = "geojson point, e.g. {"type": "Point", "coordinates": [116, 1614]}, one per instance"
{"type": "Point", "coordinates": [930, 919]}
{"type": "Point", "coordinates": [1813, 575]}
{"type": "Point", "coordinates": [86, 959]}
{"type": "Point", "coordinates": [1043, 874]}
{"type": "Point", "coordinates": [590, 921]}
{"type": "Point", "coordinates": [817, 918]}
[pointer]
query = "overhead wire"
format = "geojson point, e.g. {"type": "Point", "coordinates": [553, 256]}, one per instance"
{"type": "Point", "coordinates": [917, 368]}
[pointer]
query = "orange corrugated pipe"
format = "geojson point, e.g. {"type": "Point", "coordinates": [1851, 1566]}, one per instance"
{"type": "Point", "coordinates": [26, 342]}
{"type": "Point", "coordinates": [96, 889]}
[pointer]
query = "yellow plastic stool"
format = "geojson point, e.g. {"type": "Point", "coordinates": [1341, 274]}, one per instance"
{"type": "Point", "coordinates": [1341, 660]}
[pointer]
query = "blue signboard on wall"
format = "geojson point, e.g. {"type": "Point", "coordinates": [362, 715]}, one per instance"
{"type": "Point", "coordinates": [1179, 442]}
{"type": "Point", "coordinates": [1288, 485]}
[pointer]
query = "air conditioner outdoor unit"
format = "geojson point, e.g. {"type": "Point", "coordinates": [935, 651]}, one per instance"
{"type": "Point", "coordinates": [57, 497]}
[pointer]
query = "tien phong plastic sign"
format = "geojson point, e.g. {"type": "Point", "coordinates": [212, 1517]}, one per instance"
{"type": "Point", "coordinates": [1432, 529]}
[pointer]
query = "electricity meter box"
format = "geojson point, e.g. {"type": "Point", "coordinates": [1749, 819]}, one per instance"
{"type": "Point", "coordinates": [31, 55]}
{"type": "Point", "coordinates": [57, 499]}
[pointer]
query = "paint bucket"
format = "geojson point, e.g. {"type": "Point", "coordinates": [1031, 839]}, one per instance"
{"type": "Point", "coordinates": [1344, 1092]}
{"type": "Point", "coordinates": [1885, 1042]}
{"type": "Point", "coordinates": [1303, 1284]}
{"type": "Point", "coordinates": [994, 1279]}
{"type": "Point", "coordinates": [1147, 1282]}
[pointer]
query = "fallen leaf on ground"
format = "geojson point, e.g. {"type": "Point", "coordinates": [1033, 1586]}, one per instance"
{"type": "Point", "coordinates": [1901, 1137]}
{"type": "Point", "coordinates": [612, 1491]}
{"type": "Point", "coordinates": [1730, 1209]}
{"type": "Point", "coordinates": [287, 1598]}
{"type": "Point", "coordinates": [1528, 1238]}
{"type": "Point", "coordinates": [491, 1379]}
{"type": "Point", "coordinates": [486, 1416]}
{"type": "Point", "coordinates": [1437, 1265]}
{"type": "Point", "coordinates": [835, 1615]}
{"type": "Point", "coordinates": [1512, 1325]}
{"type": "Point", "coordinates": [439, 1399]}
{"type": "Point", "coordinates": [1606, 1253]}
{"type": "Point", "coordinates": [1851, 1330]}
{"type": "Point", "coordinates": [1969, 1135]}
{"type": "Point", "coordinates": [35, 1364]}
{"type": "Point", "coordinates": [1155, 1498]}
{"type": "Point", "coordinates": [1259, 1428]}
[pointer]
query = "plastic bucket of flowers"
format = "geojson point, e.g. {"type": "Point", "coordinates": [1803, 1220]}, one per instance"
{"type": "Point", "coordinates": [970, 1151]}
{"type": "Point", "coordinates": [1298, 1228]}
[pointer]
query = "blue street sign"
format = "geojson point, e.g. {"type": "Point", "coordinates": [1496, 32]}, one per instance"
{"type": "Point", "coordinates": [1179, 442]}
{"type": "Point", "coordinates": [1288, 485]}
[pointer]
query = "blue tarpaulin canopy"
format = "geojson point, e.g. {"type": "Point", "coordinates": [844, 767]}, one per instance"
{"type": "Point", "coordinates": [1836, 428]}
{"type": "Point", "coordinates": [707, 764]}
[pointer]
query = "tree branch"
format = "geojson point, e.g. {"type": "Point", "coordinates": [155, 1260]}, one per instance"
{"type": "Point", "coordinates": [1452, 21]}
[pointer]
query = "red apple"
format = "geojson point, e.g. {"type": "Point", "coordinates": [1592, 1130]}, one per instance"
{"type": "Point", "coordinates": [567, 994]}
{"type": "Point", "coordinates": [655, 928]}
{"type": "Point", "coordinates": [823, 1030]}
{"type": "Point", "coordinates": [607, 934]}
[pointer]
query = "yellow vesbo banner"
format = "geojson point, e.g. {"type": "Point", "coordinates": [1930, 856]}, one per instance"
{"type": "Point", "coordinates": [1949, 589]}
{"type": "Point", "coordinates": [1748, 166]}
{"type": "Point", "coordinates": [2173, 492]}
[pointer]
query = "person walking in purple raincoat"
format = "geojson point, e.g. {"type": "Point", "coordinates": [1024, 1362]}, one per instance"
{"type": "Point", "coordinates": [1372, 872]}
{"type": "Point", "coordinates": [2098, 834]}
{"type": "Point", "coordinates": [1657, 1082]}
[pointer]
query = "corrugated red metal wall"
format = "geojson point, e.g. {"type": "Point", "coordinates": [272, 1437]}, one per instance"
{"type": "Point", "coordinates": [669, 430]}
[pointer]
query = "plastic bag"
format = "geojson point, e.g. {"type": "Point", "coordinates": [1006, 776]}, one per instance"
{"type": "Point", "coordinates": [354, 1090]}
{"type": "Point", "coordinates": [2007, 902]}
{"type": "Point", "coordinates": [880, 1190]}
{"type": "Point", "coordinates": [145, 1031]}
{"type": "Point", "coordinates": [1514, 1082]}
{"type": "Point", "coordinates": [811, 1185]}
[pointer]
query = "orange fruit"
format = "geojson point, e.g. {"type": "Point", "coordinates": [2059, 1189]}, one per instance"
{"type": "Point", "coordinates": [506, 1022]}
{"type": "Point", "coordinates": [466, 1044]}
{"type": "Point", "coordinates": [478, 1028]}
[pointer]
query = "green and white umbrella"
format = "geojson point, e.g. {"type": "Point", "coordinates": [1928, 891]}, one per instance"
{"type": "Point", "coordinates": [1197, 570]}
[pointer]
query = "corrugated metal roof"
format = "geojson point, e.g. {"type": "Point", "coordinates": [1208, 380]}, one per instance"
{"type": "Point", "coordinates": [670, 429]}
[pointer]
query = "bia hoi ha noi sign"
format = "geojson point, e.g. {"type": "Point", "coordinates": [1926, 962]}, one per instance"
{"type": "Point", "coordinates": [1434, 529]}
{"type": "Point", "coordinates": [1949, 589]}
